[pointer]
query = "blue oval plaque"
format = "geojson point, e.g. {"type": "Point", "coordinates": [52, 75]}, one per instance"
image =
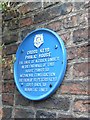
{"type": "Point", "coordinates": [40, 64]}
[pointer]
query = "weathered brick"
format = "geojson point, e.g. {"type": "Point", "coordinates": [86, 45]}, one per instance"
{"type": "Point", "coordinates": [47, 4]}
{"type": "Point", "coordinates": [80, 35]}
{"type": "Point", "coordinates": [66, 37]}
{"type": "Point", "coordinates": [7, 75]}
{"type": "Point", "coordinates": [23, 9]}
{"type": "Point", "coordinates": [0, 23]}
{"type": "Point", "coordinates": [75, 20]}
{"type": "Point", "coordinates": [82, 51]}
{"type": "Point", "coordinates": [10, 38]}
{"type": "Point", "coordinates": [26, 22]}
{"type": "Point", "coordinates": [60, 103]}
{"type": "Point", "coordinates": [0, 100]}
{"type": "Point", "coordinates": [77, 52]}
{"type": "Point", "coordinates": [24, 113]}
{"type": "Point", "coordinates": [1, 112]}
{"type": "Point", "coordinates": [32, 6]}
{"type": "Point", "coordinates": [10, 49]}
{"type": "Point", "coordinates": [45, 114]}
{"type": "Point", "coordinates": [87, 4]}
{"type": "Point", "coordinates": [62, 116]}
{"type": "Point", "coordinates": [69, 72]}
{"type": "Point", "coordinates": [29, 7]}
{"type": "Point", "coordinates": [80, 70]}
{"type": "Point", "coordinates": [0, 87]}
{"type": "Point", "coordinates": [81, 106]}
{"type": "Point", "coordinates": [13, 24]}
{"type": "Point", "coordinates": [75, 88]}
{"type": "Point", "coordinates": [22, 100]}
{"type": "Point", "coordinates": [6, 63]}
{"type": "Point", "coordinates": [70, 22]}
{"type": "Point", "coordinates": [7, 99]}
{"type": "Point", "coordinates": [71, 53]}
{"type": "Point", "coordinates": [8, 87]}
{"type": "Point", "coordinates": [56, 25]}
{"type": "Point", "coordinates": [53, 12]}
{"type": "Point", "coordinates": [10, 14]}
{"type": "Point", "coordinates": [42, 16]}
{"type": "Point", "coordinates": [25, 32]}
{"type": "Point", "coordinates": [78, 5]}
{"type": "Point", "coordinates": [7, 113]}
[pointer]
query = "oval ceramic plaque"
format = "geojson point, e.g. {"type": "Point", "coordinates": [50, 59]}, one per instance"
{"type": "Point", "coordinates": [40, 64]}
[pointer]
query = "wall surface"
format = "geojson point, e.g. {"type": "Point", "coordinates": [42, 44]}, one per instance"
{"type": "Point", "coordinates": [70, 21]}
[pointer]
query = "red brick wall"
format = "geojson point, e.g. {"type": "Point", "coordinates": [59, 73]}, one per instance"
{"type": "Point", "coordinates": [70, 21]}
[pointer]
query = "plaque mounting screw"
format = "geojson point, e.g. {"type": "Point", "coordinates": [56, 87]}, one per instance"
{"type": "Point", "coordinates": [50, 85]}
{"type": "Point", "coordinates": [22, 51]}
{"type": "Point", "coordinates": [21, 84]}
{"type": "Point", "coordinates": [56, 46]}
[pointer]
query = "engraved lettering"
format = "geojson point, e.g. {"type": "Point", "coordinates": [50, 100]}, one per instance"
{"type": "Point", "coordinates": [30, 52]}
{"type": "Point", "coordinates": [26, 75]}
{"type": "Point", "coordinates": [31, 56]}
{"type": "Point", "coordinates": [36, 67]}
{"type": "Point", "coordinates": [43, 55]}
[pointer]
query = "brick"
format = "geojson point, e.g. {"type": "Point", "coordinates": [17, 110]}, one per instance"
{"type": "Point", "coordinates": [42, 16]}
{"type": "Point", "coordinates": [23, 9]}
{"type": "Point", "coordinates": [10, 14]}
{"type": "Point", "coordinates": [7, 113]}
{"type": "Point", "coordinates": [77, 52]}
{"type": "Point", "coordinates": [24, 113]}
{"type": "Point", "coordinates": [70, 22]}
{"type": "Point", "coordinates": [47, 4]}
{"type": "Point", "coordinates": [22, 101]}
{"type": "Point", "coordinates": [80, 70]}
{"type": "Point", "coordinates": [75, 88]}
{"type": "Point", "coordinates": [80, 35]}
{"type": "Point", "coordinates": [87, 4]}
{"type": "Point", "coordinates": [0, 87]}
{"type": "Point", "coordinates": [6, 63]}
{"type": "Point", "coordinates": [7, 75]}
{"type": "Point", "coordinates": [13, 24]}
{"type": "Point", "coordinates": [81, 106]}
{"type": "Point", "coordinates": [0, 100]}
{"type": "Point", "coordinates": [75, 20]}
{"type": "Point", "coordinates": [55, 26]}
{"type": "Point", "coordinates": [25, 32]}
{"type": "Point", "coordinates": [82, 51]}
{"type": "Point", "coordinates": [69, 72]}
{"type": "Point", "coordinates": [26, 22]}
{"type": "Point", "coordinates": [10, 38]}
{"type": "Point", "coordinates": [7, 99]}
{"type": "Point", "coordinates": [0, 23]}
{"type": "Point", "coordinates": [8, 87]}
{"type": "Point", "coordinates": [60, 103]}
{"type": "Point", "coordinates": [62, 116]}
{"type": "Point", "coordinates": [1, 112]}
{"type": "Point", "coordinates": [53, 12]}
{"type": "Point", "coordinates": [29, 7]}
{"type": "Point", "coordinates": [32, 6]}
{"type": "Point", "coordinates": [66, 37]}
{"type": "Point", "coordinates": [10, 49]}
{"type": "Point", "coordinates": [71, 53]}
{"type": "Point", "coordinates": [45, 114]}
{"type": "Point", "coordinates": [78, 5]}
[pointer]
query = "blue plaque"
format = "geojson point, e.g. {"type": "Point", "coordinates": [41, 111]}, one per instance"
{"type": "Point", "coordinates": [40, 64]}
